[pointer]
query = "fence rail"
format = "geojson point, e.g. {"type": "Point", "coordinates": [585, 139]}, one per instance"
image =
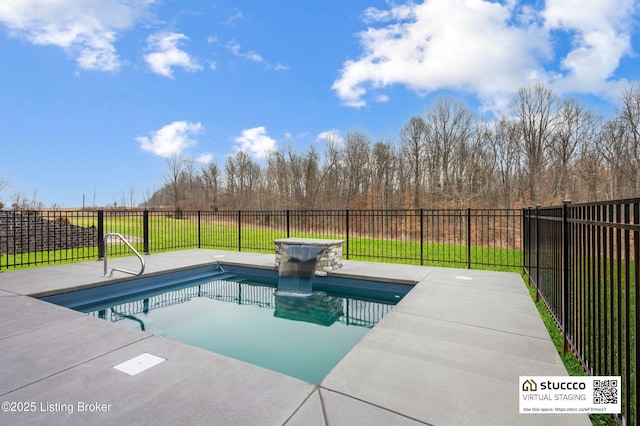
{"type": "Point", "coordinates": [468, 238]}
{"type": "Point", "coordinates": [581, 259]}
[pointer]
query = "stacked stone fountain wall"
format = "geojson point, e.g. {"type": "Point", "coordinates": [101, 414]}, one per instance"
{"type": "Point", "coordinates": [330, 259]}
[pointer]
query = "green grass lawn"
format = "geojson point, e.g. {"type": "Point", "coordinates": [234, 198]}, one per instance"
{"type": "Point", "coordinates": [168, 234]}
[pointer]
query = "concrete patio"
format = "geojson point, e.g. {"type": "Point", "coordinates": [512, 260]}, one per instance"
{"type": "Point", "coordinates": [450, 353]}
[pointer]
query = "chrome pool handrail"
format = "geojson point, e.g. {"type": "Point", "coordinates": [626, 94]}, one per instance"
{"type": "Point", "coordinates": [124, 240]}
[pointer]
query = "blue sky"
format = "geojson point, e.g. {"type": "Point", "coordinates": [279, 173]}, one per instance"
{"type": "Point", "coordinates": [96, 94]}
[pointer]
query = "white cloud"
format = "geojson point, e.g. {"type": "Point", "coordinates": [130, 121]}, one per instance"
{"type": "Point", "coordinates": [237, 15]}
{"type": "Point", "coordinates": [205, 158]}
{"type": "Point", "coordinates": [166, 54]}
{"type": "Point", "coordinates": [281, 67]}
{"type": "Point", "coordinates": [483, 47]}
{"type": "Point", "coordinates": [85, 29]}
{"type": "Point", "coordinates": [234, 47]}
{"type": "Point", "coordinates": [382, 98]}
{"type": "Point", "coordinates": [601, 32]}
{"type": "Point", "coordinates": [332, 135]}
{"type": "Point", "coordinates": [255, 142]}
{"type": "Point", "coordinates": [171, 139]}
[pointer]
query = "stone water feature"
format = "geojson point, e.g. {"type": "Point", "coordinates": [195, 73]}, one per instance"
{"type": "Point", "coordinates": [298, 260]}
{"type": "Point", "coordinates": [329, 259]}
{"type": "Point", "coordinates": [297, 269]}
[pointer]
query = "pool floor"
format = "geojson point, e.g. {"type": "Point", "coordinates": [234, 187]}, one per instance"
{"type": "Point", "coordinates": [252, 334]}
{"type": "Point", "coordinates": [303, 337]}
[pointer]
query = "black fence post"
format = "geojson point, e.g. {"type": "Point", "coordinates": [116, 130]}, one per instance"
{"type": "Point", "coordinates": [565, 275]}
{"type": "Point", "coordinates": [346, 216]}
{"type": "Point", "coordinates": [421, 237]}
{"type": "Point", "coordinates": [145, 230]}
{"type": "Point", "coordinates": [537, 252]}
{"type": "Point", "coordinates": [529, 247]}
{"type": "Point", "coordinates": [100, 234]}
{"type": "Point", "coordinates": [525, 242]}
{"type": "Point", "coordinates": [239, 230]}
{"type": "Point", "coordinates": [636, 326]}
{"type": "Point", "coordinates": [288, 223]}
{"type": "Point", "coordinates": [468, 238]}
{"type": "Point", "coordinates": [199, 229]}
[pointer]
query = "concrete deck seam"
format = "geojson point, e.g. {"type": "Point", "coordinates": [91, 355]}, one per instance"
{"type": "Point", "coordinates": [302, 404]}
{"type": "Point", "coordinates": [76, 365]}
{"type": "Point", "coordinates": [324, 409]}
{"type": "Point", "coordinates": [376, 405]}
{"type": "Point", "coordinates": [427, 275]}
{"type": "Point", "coordinates": [472, 325]}
{"type": "Point", "coordinates": [11, 293]}
{"type": "Point", "coordinates": [474, 287]}
{"type": "Point", "coordinates": [55, 324]}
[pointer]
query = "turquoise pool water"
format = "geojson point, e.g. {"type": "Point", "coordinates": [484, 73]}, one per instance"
{"type": "Point", "coordinates": [244, 319]}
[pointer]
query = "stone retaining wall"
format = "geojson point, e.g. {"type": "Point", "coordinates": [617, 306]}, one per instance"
{"type": "Point", "coordinates": [23, 233]}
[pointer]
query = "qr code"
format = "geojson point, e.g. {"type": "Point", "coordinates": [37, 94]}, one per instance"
{"type": "Point", "coordinates": [605, 391]}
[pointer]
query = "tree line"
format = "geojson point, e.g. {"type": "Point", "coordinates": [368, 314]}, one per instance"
{"type": "Point", "coordinates": [545, 149]}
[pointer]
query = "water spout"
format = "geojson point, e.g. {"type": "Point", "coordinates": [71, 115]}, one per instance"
{"type": "Point", "coordinates": [297, 269]}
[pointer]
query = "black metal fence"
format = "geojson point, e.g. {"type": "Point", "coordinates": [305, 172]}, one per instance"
{"type": "Point", "coordinates": [467, 238]}
{"type": "Point", "coordinates": [581, 259]}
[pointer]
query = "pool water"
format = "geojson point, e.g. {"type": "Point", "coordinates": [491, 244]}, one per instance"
{"type": "Point", "coordinates": [244, 319]}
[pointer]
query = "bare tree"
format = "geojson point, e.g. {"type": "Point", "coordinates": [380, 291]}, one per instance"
{"type": "Point", "coordinates": [176, 165]}
{"type": "Point", "coordinates": [574, 127]}
{"type": "Point", "coordinates": [613, 148]}
{"type": "Point", "coordinates": [19, 201]}
{"type": "Point", "coordinates": [211, 182]}
{"type": "Point", "coordinates": [4, 183]}
{"type": "Point", "coordinates": [132, 194]}
{"type": "Point", "coordinates": [533, 107]}
{"type": "Point", "coordinates": [242, 178]}
{"type": "Point", "coordinates": [193, 189]}
{"type": "Point", "coordinates": [23, 202]}
{"type": "Point", "coordinates": [279, 175]}
{"type": "Point", "coordinates": [293, 177]}
{"type": "Point", "coordinates": [630, 121]}
{"type": "Point", "coordinates": [471, 170]}
{"type": "Point", "coordinates": [328, 167]}
{"type": "Point", "coordinates": [384, 174]}
{"type": "Point", "coordinates": [311, 176]}
{"type": "Point", "coordinates": [296, 177]}
{"type": "Point", "coordinates": [449, 123]}
{"type": "Point", "coordinates": [504, 142]}
{"type": "Point", "coordinates": [357, 168]}
{"type": "Point", "coordinates": [413, 153]}
{"type": "Point", "coordinates": [335, 190]}
{"type": "Point", "coordinates": [591, 173]}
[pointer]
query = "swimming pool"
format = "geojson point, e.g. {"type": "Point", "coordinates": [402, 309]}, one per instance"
{"type": "Point", "coordinates": [234, 311]}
